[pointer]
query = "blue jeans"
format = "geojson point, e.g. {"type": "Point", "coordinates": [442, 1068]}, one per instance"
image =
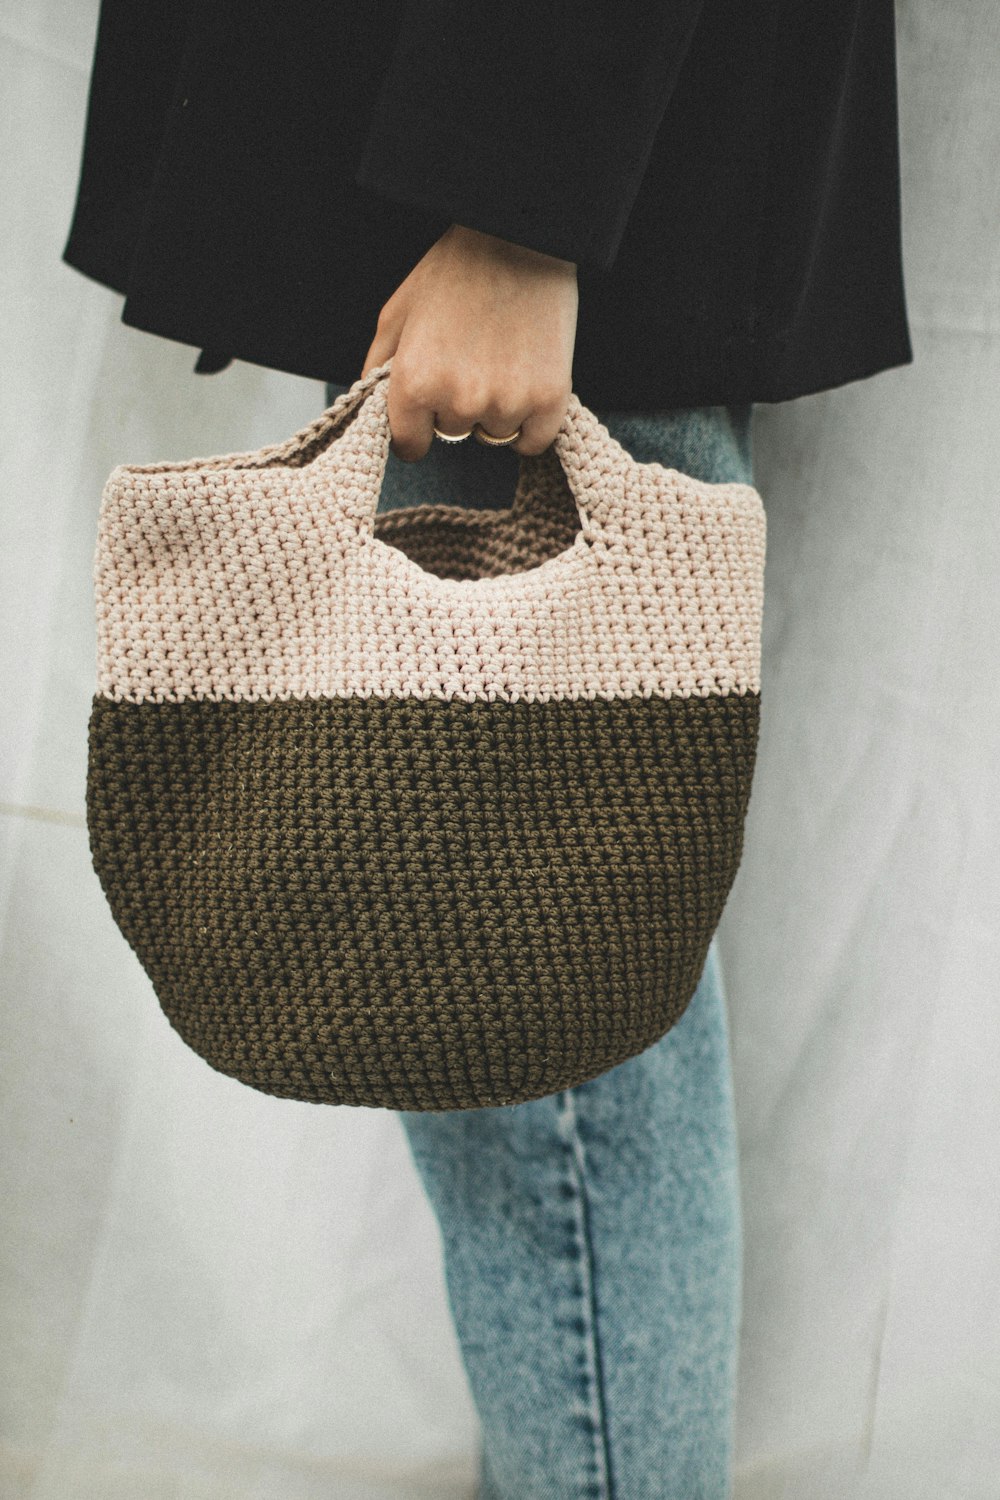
{"type": "Point", "coordinates": [592, 1239]}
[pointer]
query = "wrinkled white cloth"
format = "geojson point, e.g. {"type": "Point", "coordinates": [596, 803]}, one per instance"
{"type": "Point", "coordinates": [209, 1294]}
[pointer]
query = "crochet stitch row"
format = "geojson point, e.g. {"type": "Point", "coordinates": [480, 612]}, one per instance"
{"type": "Point", "coordinates": [215, 583]}
{"type": "Point", "coordinates": [420, 904]}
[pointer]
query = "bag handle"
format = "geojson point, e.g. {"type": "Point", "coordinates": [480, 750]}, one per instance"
{"type": "Point", "coordinates": [345, 451]}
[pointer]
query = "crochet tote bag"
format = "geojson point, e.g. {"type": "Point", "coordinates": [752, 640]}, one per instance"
{"type": "Point", "coordinates": [432, 809]}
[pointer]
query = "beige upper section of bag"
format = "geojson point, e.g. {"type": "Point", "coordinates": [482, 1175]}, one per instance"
{"type": "Point", "coordinates": [268, 575]}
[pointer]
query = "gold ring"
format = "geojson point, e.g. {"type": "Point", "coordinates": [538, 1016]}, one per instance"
{"type": "Point", "coordinates": [452, 437]}
{"type": "Point", "coordinates": [495, 442]}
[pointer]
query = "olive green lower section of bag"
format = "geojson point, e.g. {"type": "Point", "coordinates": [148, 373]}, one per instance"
{"type": "Point", "coordinates": [420, 903]}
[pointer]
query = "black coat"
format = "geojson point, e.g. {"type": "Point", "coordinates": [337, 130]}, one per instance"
{"type": "Point", "coordinates": [257, 178]}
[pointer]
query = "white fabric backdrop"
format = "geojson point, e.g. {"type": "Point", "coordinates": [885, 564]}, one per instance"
{"type": "Point", "coordinates": [209, 1294]}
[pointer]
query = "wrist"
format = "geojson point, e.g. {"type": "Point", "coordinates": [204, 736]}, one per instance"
{"type": "Point", "coordinates": [509, 250]}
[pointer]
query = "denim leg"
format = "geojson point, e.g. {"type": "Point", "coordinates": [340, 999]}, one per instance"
{"type": "Point", "coordinates": [592, 1239]}
{"type": "Point", "coordinates": [592, 1250]}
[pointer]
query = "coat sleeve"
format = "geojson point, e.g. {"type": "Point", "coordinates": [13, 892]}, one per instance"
{"type": "Point", "coordinates": [529, 119]}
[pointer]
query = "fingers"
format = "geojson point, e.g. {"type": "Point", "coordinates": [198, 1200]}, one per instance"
{"type": "Point", "coordinates": [540, 425]}
{"type": "Point", "coordinates": [417, 406]}
{"type": "Point", "coordinates": [411, 420]}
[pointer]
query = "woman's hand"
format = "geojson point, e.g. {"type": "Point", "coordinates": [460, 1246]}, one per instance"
{"type": "Point", "coordinates": [482, 330]}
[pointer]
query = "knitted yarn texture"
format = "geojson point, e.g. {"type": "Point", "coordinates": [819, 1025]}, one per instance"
{"type": "Point", "coordinates": [434, 809]}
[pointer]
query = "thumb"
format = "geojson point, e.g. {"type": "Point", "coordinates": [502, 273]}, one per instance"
{"type": "Point", "coordinates": [382, 347]}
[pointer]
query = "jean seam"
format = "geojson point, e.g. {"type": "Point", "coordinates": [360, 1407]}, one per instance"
{"type": "Point", "coordinates": [567, 1104]}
